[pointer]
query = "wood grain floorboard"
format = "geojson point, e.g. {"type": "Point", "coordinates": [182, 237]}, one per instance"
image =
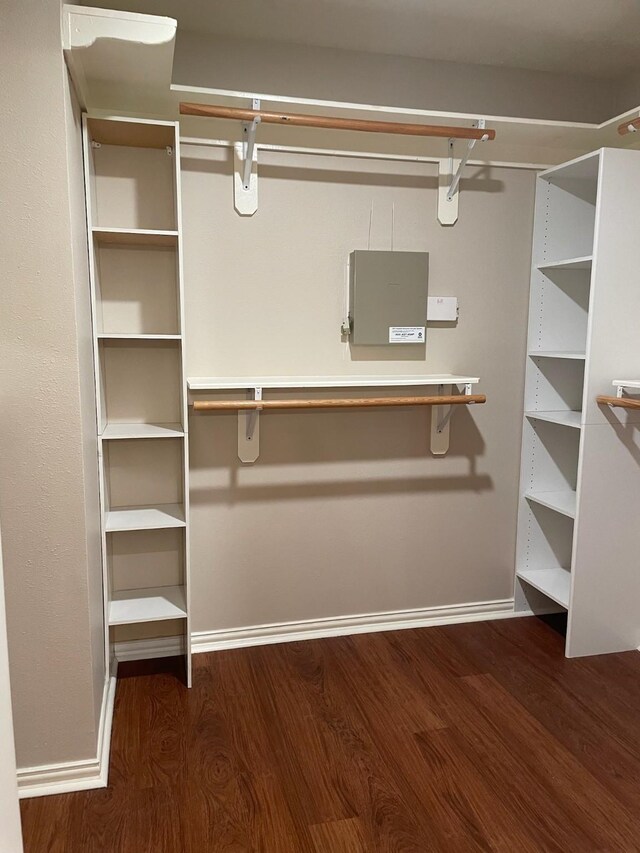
{"type": "Point", "coordinates": [471, 737]}
{"type": "Point", "coordinates": [339, 836]}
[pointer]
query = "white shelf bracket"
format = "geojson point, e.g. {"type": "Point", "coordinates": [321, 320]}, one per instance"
{"type": "Point", "coordinates": [440, 417]}
{"type": "Point", "coordinates": [245, 167]}
{"type": "Point", "coordinates": [448, 184]}
{"type": "Point", "coordinates": [249, 430]}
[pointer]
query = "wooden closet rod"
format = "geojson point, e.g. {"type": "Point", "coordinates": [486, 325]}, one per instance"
{"type": "Point", "coordinates": [618, 402]}
{"type": "Point", "coordinates": [339, 403]}
{"type": "Point", "coordinates": [337, 123]}
{"type": "Point", "coordinates": [629, 126]}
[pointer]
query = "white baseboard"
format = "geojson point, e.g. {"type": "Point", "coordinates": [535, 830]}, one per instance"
{"type": "Point", "coordinates": [74, 775]}
{"type": "Point", "coordinates": [157, 647]}
{"type": "Point", "coordinates": [258, 635]}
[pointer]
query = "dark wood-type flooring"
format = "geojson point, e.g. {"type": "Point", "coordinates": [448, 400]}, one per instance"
{"type": "Point", "coordinates": [460, 738]}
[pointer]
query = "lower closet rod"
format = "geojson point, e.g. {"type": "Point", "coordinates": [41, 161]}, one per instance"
{"type": "Point", "coordinates": [339, 403]}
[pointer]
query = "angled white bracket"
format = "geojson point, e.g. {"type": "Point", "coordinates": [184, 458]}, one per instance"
{"type": "Point", "coordinates": [245, 167]}
{"type": "Point", "coordinates": [440, 416]}
{"type": "Point", "coordinates": [440, 421]}
{"type": "Point", "coordinates": [249, 430]}
{"type": "Point", "coordinates": [448, 193]}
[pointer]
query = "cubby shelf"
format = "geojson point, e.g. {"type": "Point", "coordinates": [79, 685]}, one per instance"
{"type": "Point", "coordinates": [134, 237]}
{"type": "Point", "coordinates": [556, 354]}
{"type": "Point", "coordinates": [152, 604]}
{"type": "Point", "coordinates": [123, 431]}
{"type": "Point", "coordinates": [561, 501]}
{"type": "Point", "coordinates": [583, 263]}
{"type": "Point", "coordinates": [145, 517]}
{"type": "Point", "coordinates": [133, 336]}
{"type": "Point", "coordinates": [570, 419]}
{"type": "Point", "coordinates": [555, 583]}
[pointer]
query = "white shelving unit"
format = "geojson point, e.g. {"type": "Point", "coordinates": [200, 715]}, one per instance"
{"type": "Point", "coordinates": [132, 172]}
{"type": "Point", "coordinates": [578, 531]}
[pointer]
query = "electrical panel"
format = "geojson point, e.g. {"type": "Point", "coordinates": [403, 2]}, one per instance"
{"type": "Point", "coordinates": [388, 297]}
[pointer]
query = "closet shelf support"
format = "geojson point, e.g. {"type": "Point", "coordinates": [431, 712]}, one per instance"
{"type": "Point", "coordinates": [245, 156]}
{"type": "Point", "coordinates": [449, 180]}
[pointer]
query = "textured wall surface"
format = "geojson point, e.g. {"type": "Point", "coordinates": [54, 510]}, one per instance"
{"type": "Point", "coordinates": [346, 512]}
{"type": "Point", "coordinates": [47, 494]}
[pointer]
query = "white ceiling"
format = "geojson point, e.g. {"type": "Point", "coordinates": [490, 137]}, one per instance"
{"type": "Point", "coordinates": [595, 37]}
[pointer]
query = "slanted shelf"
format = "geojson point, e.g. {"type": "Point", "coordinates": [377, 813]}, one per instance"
{"type": "Point", "coordinates": [133, 194]}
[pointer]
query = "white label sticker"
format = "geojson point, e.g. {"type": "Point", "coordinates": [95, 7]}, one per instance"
{"type": "Point", "coordinates": [406, 334]}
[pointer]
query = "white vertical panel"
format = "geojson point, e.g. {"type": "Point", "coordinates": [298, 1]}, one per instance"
{"type": "Point", "coordinates": [10, 832]}
{"type": "Point", "coordinates": [614, 328]}
{"type": "Point", "coordinates": [605, 603]}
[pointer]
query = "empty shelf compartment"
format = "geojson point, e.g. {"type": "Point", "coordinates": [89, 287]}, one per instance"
{"type": "Point", "coordinates": [570, 419]}
{"type": "Point", "coordinates": [582, 263]}
{"type": "Point", "coordinates": [145, 517]}
{"type": "Point", "coordinates": [554, 583]}
{"type": "Point", "coordinates": [155, 604]}
{"type": "Point", "coordinates": [562, 501]}
{"type": "Point", "coordinates": [124, 431]}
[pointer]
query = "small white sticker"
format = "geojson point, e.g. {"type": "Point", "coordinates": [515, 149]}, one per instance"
{"type": "Point", "coordinates": [406, 334]}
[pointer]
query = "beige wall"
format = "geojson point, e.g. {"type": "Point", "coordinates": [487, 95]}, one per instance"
{"type": "Point", "coordinates": [342, 75]}
{"type": "Point", "coordinates": [47, 455]}
{"type": "Point", "coordinates": [628, 93]}
{"type": "Point", "coordinates": [347, 512]}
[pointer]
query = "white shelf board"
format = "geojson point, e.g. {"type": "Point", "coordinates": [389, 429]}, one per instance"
{"type": "Point", "coordinates": [127, 336]}
{"type": "Point", "coordinates": [583, 263]}
{"type": "Point", "coordinates": [144, 517]}
{"type": "Point", "coordinates": [626, 383]}
{"type": "Point", "coordinates": [570, 419]}
{"type": "Point", "coordinates": [128, 430]}
{"type": "Point", "coordinates": [155, 604]}
{"type": "Point", "coordinates": [221, 383]}
{"type": "Point", "coordinates": [134, 237]}
{"type": "Point", "coordinates": [554, 583]}
{"type": "Point", "coordinates": [132, 132]}
{"type": "Point", "coordinates": [556, 354]}
{"type": "Point", "coordinates": [563, 502]}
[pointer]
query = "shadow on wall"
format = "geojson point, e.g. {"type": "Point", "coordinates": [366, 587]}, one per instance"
{"type": "Point", "coordinates": [480, 181]}
{"type": "Point", "coordinates": [348, 437]}
{"type": "Point", "coordinates": [630, 432]}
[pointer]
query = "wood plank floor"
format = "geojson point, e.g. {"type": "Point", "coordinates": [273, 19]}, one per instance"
{"type": "Point", "coordinates": [460, 738]}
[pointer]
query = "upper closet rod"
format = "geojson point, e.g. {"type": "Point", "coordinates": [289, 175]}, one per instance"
{"type": "Point", "coordinates": [299, 120]}
{"type": "Point", "coordinates": [629, 126]}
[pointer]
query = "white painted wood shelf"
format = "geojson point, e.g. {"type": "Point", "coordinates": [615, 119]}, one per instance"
{"type": "Point", "coordinates": [583, 263]}
{"type": "Point", "coordinates": [133, 336]}
{"type": "Point", "coordinates": [555, 583]}
{"type": "Point", "coordinates": [113, 432]}
{"type": "Point", "coordinates": [155, 517]}
{"type": "Point", "coordinates": [228, 383]}
{"type": "Point", "coordinates": [570, 419]}
{"type": "Point", "coordinates": [578, 356]}
{"type": "Point", "coordinates": [134, 237]}
{"type": "Point", "coordinates": [561, 501]}
{"type": "Point", "coordinates": [152, 604]}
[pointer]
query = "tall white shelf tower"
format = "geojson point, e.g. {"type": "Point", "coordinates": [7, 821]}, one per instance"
{"type": "Point", "coordinates": [579, 517]}
{"type": "Point", "coordinates": [132, 179]}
